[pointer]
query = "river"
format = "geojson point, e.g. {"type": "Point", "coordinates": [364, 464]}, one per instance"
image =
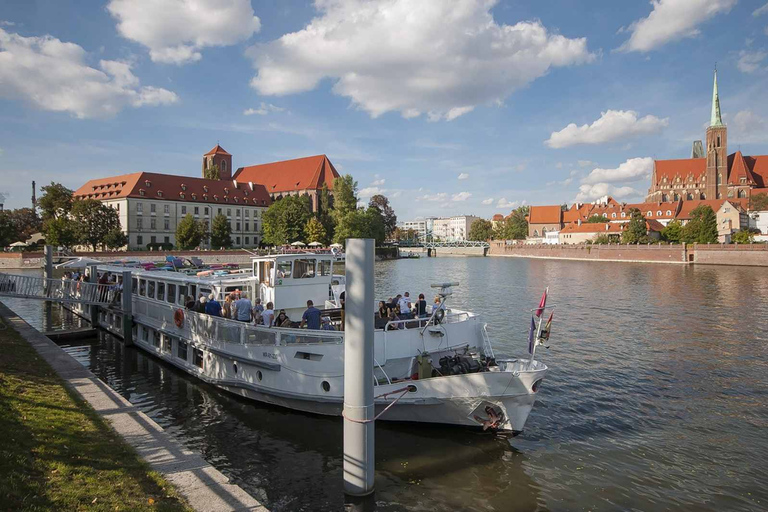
{"type": "Point", "coordinates": [655, 399]}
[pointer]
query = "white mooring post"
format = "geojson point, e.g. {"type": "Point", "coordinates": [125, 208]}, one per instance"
{"type": "Point", "coordinates": [48, 268]}
{"type": "Point", "coordinates": [48, 274]}
{"type": "Point", "coordinates": [127, 307]}
{"type": "Point", "coordinates": [358, 368]}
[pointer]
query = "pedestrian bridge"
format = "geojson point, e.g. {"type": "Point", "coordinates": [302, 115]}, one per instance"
{"type": "Point", "coordinates": [57, 290]}
{"type": "Point", "coordinates": [458, 243]}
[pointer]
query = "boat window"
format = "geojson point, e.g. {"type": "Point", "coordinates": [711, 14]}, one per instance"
{"type": "Point", "coordinates": [230, 289]}
{"type": "Point", "coordinates": [205, 291]}
{"type": "Point", "coordinates": [171, 293]}
{"type": "Point", "coordinates": [142, 287]}
{"type": "Point", "coordinates": [134, 285]}
{"type": "Point", "coordinates": [144, 333]}
{"type": "Point", "coordinates": [160, 291]}
{"type": "Point", "coordinates": [156, 339]}
{"type": "Point", "coordinates": [167, 344]}
{"type": "Point", "coordinates": [304, 268]}
{"type": "Point", "coordinates": [182, 294]}
{"type": "Point", "coordinates": [265, 272]}
{"type": "Point", "coordinates": [181, 350]}
{"type": "Point", "coordinates": [193, 291]}
{"type": "Point", "coordinates": [283, 269]}
{"type": "Point", "coordinates": [197, 357]}
{"type": "Point", "coordinates": [151, 289]}
{"type": "Point", "coordinates": [325, 267]}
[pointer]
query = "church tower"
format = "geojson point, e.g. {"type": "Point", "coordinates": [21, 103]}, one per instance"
{"type": "Point", "coordinates": [717, 151]}
{"type": "Point", "coordinates": [221, 159]}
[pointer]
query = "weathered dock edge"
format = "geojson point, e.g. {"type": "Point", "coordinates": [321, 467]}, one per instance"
{"type": "Point", "coordinates": [202, 485]}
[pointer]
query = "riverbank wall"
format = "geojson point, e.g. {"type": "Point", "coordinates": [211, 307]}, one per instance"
{"type": "Point", "coordinates": [710, 254]}
{"type": "Point", "coordinates": [204, 487]}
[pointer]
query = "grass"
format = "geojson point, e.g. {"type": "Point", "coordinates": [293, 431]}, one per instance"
{"type": "Point", "coordinates": [57, 453]}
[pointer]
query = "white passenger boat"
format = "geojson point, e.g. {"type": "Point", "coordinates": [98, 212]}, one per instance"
{"type": "Point", "coordinates": [439, 369]}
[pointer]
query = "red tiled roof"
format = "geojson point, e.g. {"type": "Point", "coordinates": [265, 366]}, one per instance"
{"type": "Point", "coordinates": [218, 150]}
{"type": "Point", "coordinates": [688, 206]}
{"type": "Point", "coordinates": [170, 187]}
{"type": "Point", "coordinates": [545, 214]}
{"type": "Point", "coordinates": [738, 170]}
{"type": "Point", "coordinates": [759, 167]}
{"type": "Point", "coordinates": [653, 225]}
{"type": "Point", "coordinates": [497, 217]}
{"type": "Point", "coordinates": [291, 175]}
{"type": "Point", "coordinates": [576, 212]}
{"type": "Point", "coordinates": [672, 169]}
{"type": "Point", "coordinates": [654, 209]}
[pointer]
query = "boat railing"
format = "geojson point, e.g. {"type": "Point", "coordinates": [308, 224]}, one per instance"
{"type": "Point", "coordinates": [414, 323]}
{"type": "Point", "coordinates": [225, 330]}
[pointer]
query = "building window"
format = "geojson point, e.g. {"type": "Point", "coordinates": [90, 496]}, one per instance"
{"type": "Point", "coordinates": [166, 209]}
{"type": "Point", "coordinates": [197, 210]}
{"type": "Point", "coordinates": [139, 207]}
{"type": "Point", "coordinates": [623, 214]}
{"type": "Point", "coordinates": [703, 196]}
{"type": "Point", "coordinates": [649, 214]}
{"type": "Point", "coordinates": [152, 224]}
{"type": "Point", "coordinates": [167, 239]}
{"type": "Point", "coordinates": [229, 212]}
{"type": "Point", "coordinates": [742, 193]}
{"type": "Point", "coordinates": [183, 210]}
{"type": "Point", "coordinates": [206, 210]}
{"type": "Point", "coordinates": [139, 240]}
{"type": "Point", "coordinates": [237, 213]}
{"type": "Point", "coordinates": [237, 240]}
{"type": "Point", "coordinates": [247, 213]}
{"type": "Point", "coordinates": [238, 227]}
{"type": "Point", "coordinates": [669, 212]}
{"type": "Point", "coordinates": [613, 215]}
{"type": "Point", "coordinates": [153, 239]}
{"type": "Point", "coordinates": [166, 225]}
{"type": "Point", "coordinates": [247, 228]}
{"type": "Point", "coordinates": [139, 222]}
{"type": "Point", "coordinates": [689, 196]}
{"type": "Point", "coordinates": [720, 178]}
{"type": "Point", "coordinates": [247, 241]}
{"type": "Point", "coordinates": [152, 207]}
{"type": "Point", "coordinates": [658, 213]}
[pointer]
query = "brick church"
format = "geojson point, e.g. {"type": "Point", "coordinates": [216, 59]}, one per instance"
{"type": "Point", "coordinates": [710, 173]}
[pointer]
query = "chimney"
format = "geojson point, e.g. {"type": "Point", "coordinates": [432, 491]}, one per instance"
{"type": "Point", "coordinates": [578, 222]}
{"type": "Point", "coordinates": [34, 198]}
{"type": "Point", "coordinates": [607, 227]}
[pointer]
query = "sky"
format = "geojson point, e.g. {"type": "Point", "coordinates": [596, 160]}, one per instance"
{"type": "Point", "coordinates": [446, 107]}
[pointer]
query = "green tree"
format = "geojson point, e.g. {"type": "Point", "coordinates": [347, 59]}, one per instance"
{"type": "Point", "coordinates": [362, 223]}
{"type": "Point", "coordinates": [344, 196]}
{"type": "Point", "coordinates": [325, 212]}
{"type": "Point", "coordinates": [61, 232]}
{"type": "Point", "coordinates": [8, 232]}
{"type": "Point", "coordinates": [56, 201]}
{"type": "Point", "coordinates": [743, 237]}
{"type": "Point", "coordinates": [315, 231]}
{"type": "Point", "coordinates": [601, 239]}
{"type": "Point", "coordinates": [390, 219]}
{"type": "Point", "coordinates": [597, 218]}
{"type": "Point", "coordinates": [94, 220]}
{"type": "Point", "coordinates": [26, 222]}
{"type": "Point", "coordinates": [284, 220]}
{"type": "Point", "coordinates": [480, 230]}
{"type": "Point", "coordinates": [221, 232]}
{"type": "Point", "coordinates": [212, 173]}
{"type": "Point", "coordinates": [636, 231]}
{"type": "Point", "coordinates": [702, 227]}
{"type": "Point", "coordinates": [189, 233]}
{"type": "Point", "coordinates": [759, 202]}
{"type": "Point", "coordinates": [514, 227]}
{"type": "Point", "coordinates": [673, 232]}
{"type": "Point", "coordinates": [115, 239]}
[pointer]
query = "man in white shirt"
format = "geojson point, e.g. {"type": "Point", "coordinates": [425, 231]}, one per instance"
{"type": "Point", "coordinates": [268, 316]}
{"type": "Point", "coordinates": [405, 306]}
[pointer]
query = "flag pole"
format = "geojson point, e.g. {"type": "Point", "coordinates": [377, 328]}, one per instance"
{"type": "Point", "coordinates": [538, 331]}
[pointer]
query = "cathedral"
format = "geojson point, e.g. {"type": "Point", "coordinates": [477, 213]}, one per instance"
{"type": "Point", "coordinates": [710, 173]}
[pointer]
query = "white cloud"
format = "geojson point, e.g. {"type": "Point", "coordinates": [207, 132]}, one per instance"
{"type": "Point", "coordinates": [760, 11]}
{"type": "Point", "coordinates": [747, 122]}
{"type": "Point", "coordinates": [461, 196]}
{"type": "Point", "coordinates": [52, 75]}
{"type": "Point", "coordinates": [378, 182]}
{"type": "Point", "coordinates": [633, 169]}
{"type": "Point", "coordinates": [440, 196]}
{"type": "Point", "coordinates": [4, 23]}
{"type": "Point", "coordinates": [672, 20]}
{"type": "Point", "coordinates": [749, 62]}
{"type": "Point", "coordinates": [176, 30]}
{"type": "Point", "coordinates": [503, 203]}
{"type": "Point", "coordinates": [488, 201]}
{"type": "Point", "coordinates": [370, 191]}
{"type": "Point", "coordinates": [585, 163]}
{"type": "Point", "coordinates": [397, 194]}
{"type": "Point", "coordinates": [413, 57]}
{"type": "Point", "coordinates": [264, 109]}
{"type": "Point", "coordinates": [463, 176]}
{"type": "Point", "coordinates": [612, 125]}
{"type": "Point", "coordinates": [589, 193]}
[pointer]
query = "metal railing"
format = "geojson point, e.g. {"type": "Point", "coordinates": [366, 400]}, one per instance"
{"type": "Point", "coordinates": [58, 290]}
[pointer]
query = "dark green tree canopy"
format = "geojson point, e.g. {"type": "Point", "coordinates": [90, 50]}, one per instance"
{"type": "Point", "coordinates": [702, 227]}
{"type": "Point", "coordinates": [387, 212]}
{"type": "Point", "coordinates": [55, 202]}
{"type": "Point", "coordinates": [480, 230]}
{"type": "Point", "coordinates": [514, 227]}
{"type": "Point", "coordinates": [221, 232]}
{"type": "Point", "coordinates": [189, 233]}
{"type": "Point", "coordinates": [636, 231]}
{"type": "Point", "coordinates": [672, 233]}
{"type": "Point", "coordinates": [284, 221]}
{"type": "Point", "coordinates": [759, 202]}
{"type": "Point", "coordinates": [212, 173]}
{"type": "Point", "coordinates": [597, 218]}
{"type": "Point", "coordinates": [94, 220]}
{"type": "Point", "coordinates": [344, 196]}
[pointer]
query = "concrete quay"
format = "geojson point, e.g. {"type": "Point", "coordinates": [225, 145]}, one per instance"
{"type": "Point", "coordinates": [202, 485]}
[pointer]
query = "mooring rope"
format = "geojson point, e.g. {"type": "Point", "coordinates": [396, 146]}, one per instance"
{"type": "Point", "coordinates": [404, 391]}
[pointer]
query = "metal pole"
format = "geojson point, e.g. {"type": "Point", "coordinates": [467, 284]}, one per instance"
{"type": "Point", "coordinates": [127, 308]}
{"type": "Point", "coordinates": [358, 368]}
{"type": "Point", "coordinates": [93, 277]}
{"type": "Point", "coordinates": [47, 274]}
{"type": "Point", "coordinates": [48, 269]}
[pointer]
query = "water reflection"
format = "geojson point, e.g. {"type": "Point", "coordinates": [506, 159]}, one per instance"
{"type": "Point", "coordinates": [656, 399]}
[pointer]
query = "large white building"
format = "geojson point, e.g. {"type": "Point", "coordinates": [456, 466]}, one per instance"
{"type": "Point", "coordinates": [422, 227]}
{"type": "Point", "coordinates": [150, 205]}
{"type": "Point", "coordinates": [453, 229]}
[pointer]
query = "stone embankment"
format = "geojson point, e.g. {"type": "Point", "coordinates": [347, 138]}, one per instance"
{"type": "Point", "coordinates": [714, 254]}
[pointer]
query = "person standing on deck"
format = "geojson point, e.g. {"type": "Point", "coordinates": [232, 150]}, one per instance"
{"type": "Point", "coordinates": [226, 308]}
{"type": "Point", "coordinates": [268, 316]}
{"type": "Point", "coordinates": [421, 307]}
{"type": "Point", "coordinates": [212, 307]}
{"type": "Point", "coordinates": [242, 311]}
{"type": "Point", "coordinates": [405, 306]}
{"type": "Point", "coordinates": [311, 317]}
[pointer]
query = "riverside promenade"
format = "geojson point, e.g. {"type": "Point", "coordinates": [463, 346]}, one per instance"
{"type": "Point", "coordinates": [202, 486]}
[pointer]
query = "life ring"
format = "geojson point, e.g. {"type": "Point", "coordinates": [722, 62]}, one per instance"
{"type": "Point", "coordinates": [178, 318]}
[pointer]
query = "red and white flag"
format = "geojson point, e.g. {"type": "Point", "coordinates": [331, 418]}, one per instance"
{"type": "Point", "coordinates": [542, 303]}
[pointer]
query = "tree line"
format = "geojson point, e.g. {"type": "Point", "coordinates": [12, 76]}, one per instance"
{"type": "Point", "coordinates": [513, 227]}
{"type": "Point", "coordinates": [337, 218]}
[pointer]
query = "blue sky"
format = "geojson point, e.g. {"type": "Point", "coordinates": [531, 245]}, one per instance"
{"type": "Point", "coordinates": [445, 107]}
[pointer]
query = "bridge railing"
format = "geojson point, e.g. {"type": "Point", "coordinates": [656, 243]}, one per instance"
{"type": "Point", "coordinates": [56, 290]}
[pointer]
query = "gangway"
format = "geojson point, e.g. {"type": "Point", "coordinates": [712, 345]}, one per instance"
{"type": "Point", "coordinates": [65, 291]}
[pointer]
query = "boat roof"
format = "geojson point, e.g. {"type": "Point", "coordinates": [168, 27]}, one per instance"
{"type": "Point", "coordinates": [294, 256]}
{"type": "Point", "coordinates": [167, 275]}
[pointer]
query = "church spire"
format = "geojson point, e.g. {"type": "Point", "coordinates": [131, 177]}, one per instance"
{"type": "Point", "coordinates": [715, 119]}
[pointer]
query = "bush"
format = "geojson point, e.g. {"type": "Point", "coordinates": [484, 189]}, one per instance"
{"type": "Point", "coordinates": [159, 246]}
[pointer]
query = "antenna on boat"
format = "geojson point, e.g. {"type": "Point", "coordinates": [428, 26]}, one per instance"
{"type": "Point", "coordinates": [445, 289]}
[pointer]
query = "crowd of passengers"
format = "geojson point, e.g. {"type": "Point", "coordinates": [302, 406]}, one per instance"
{"type": "Point", "coordinates": [400, 307]}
